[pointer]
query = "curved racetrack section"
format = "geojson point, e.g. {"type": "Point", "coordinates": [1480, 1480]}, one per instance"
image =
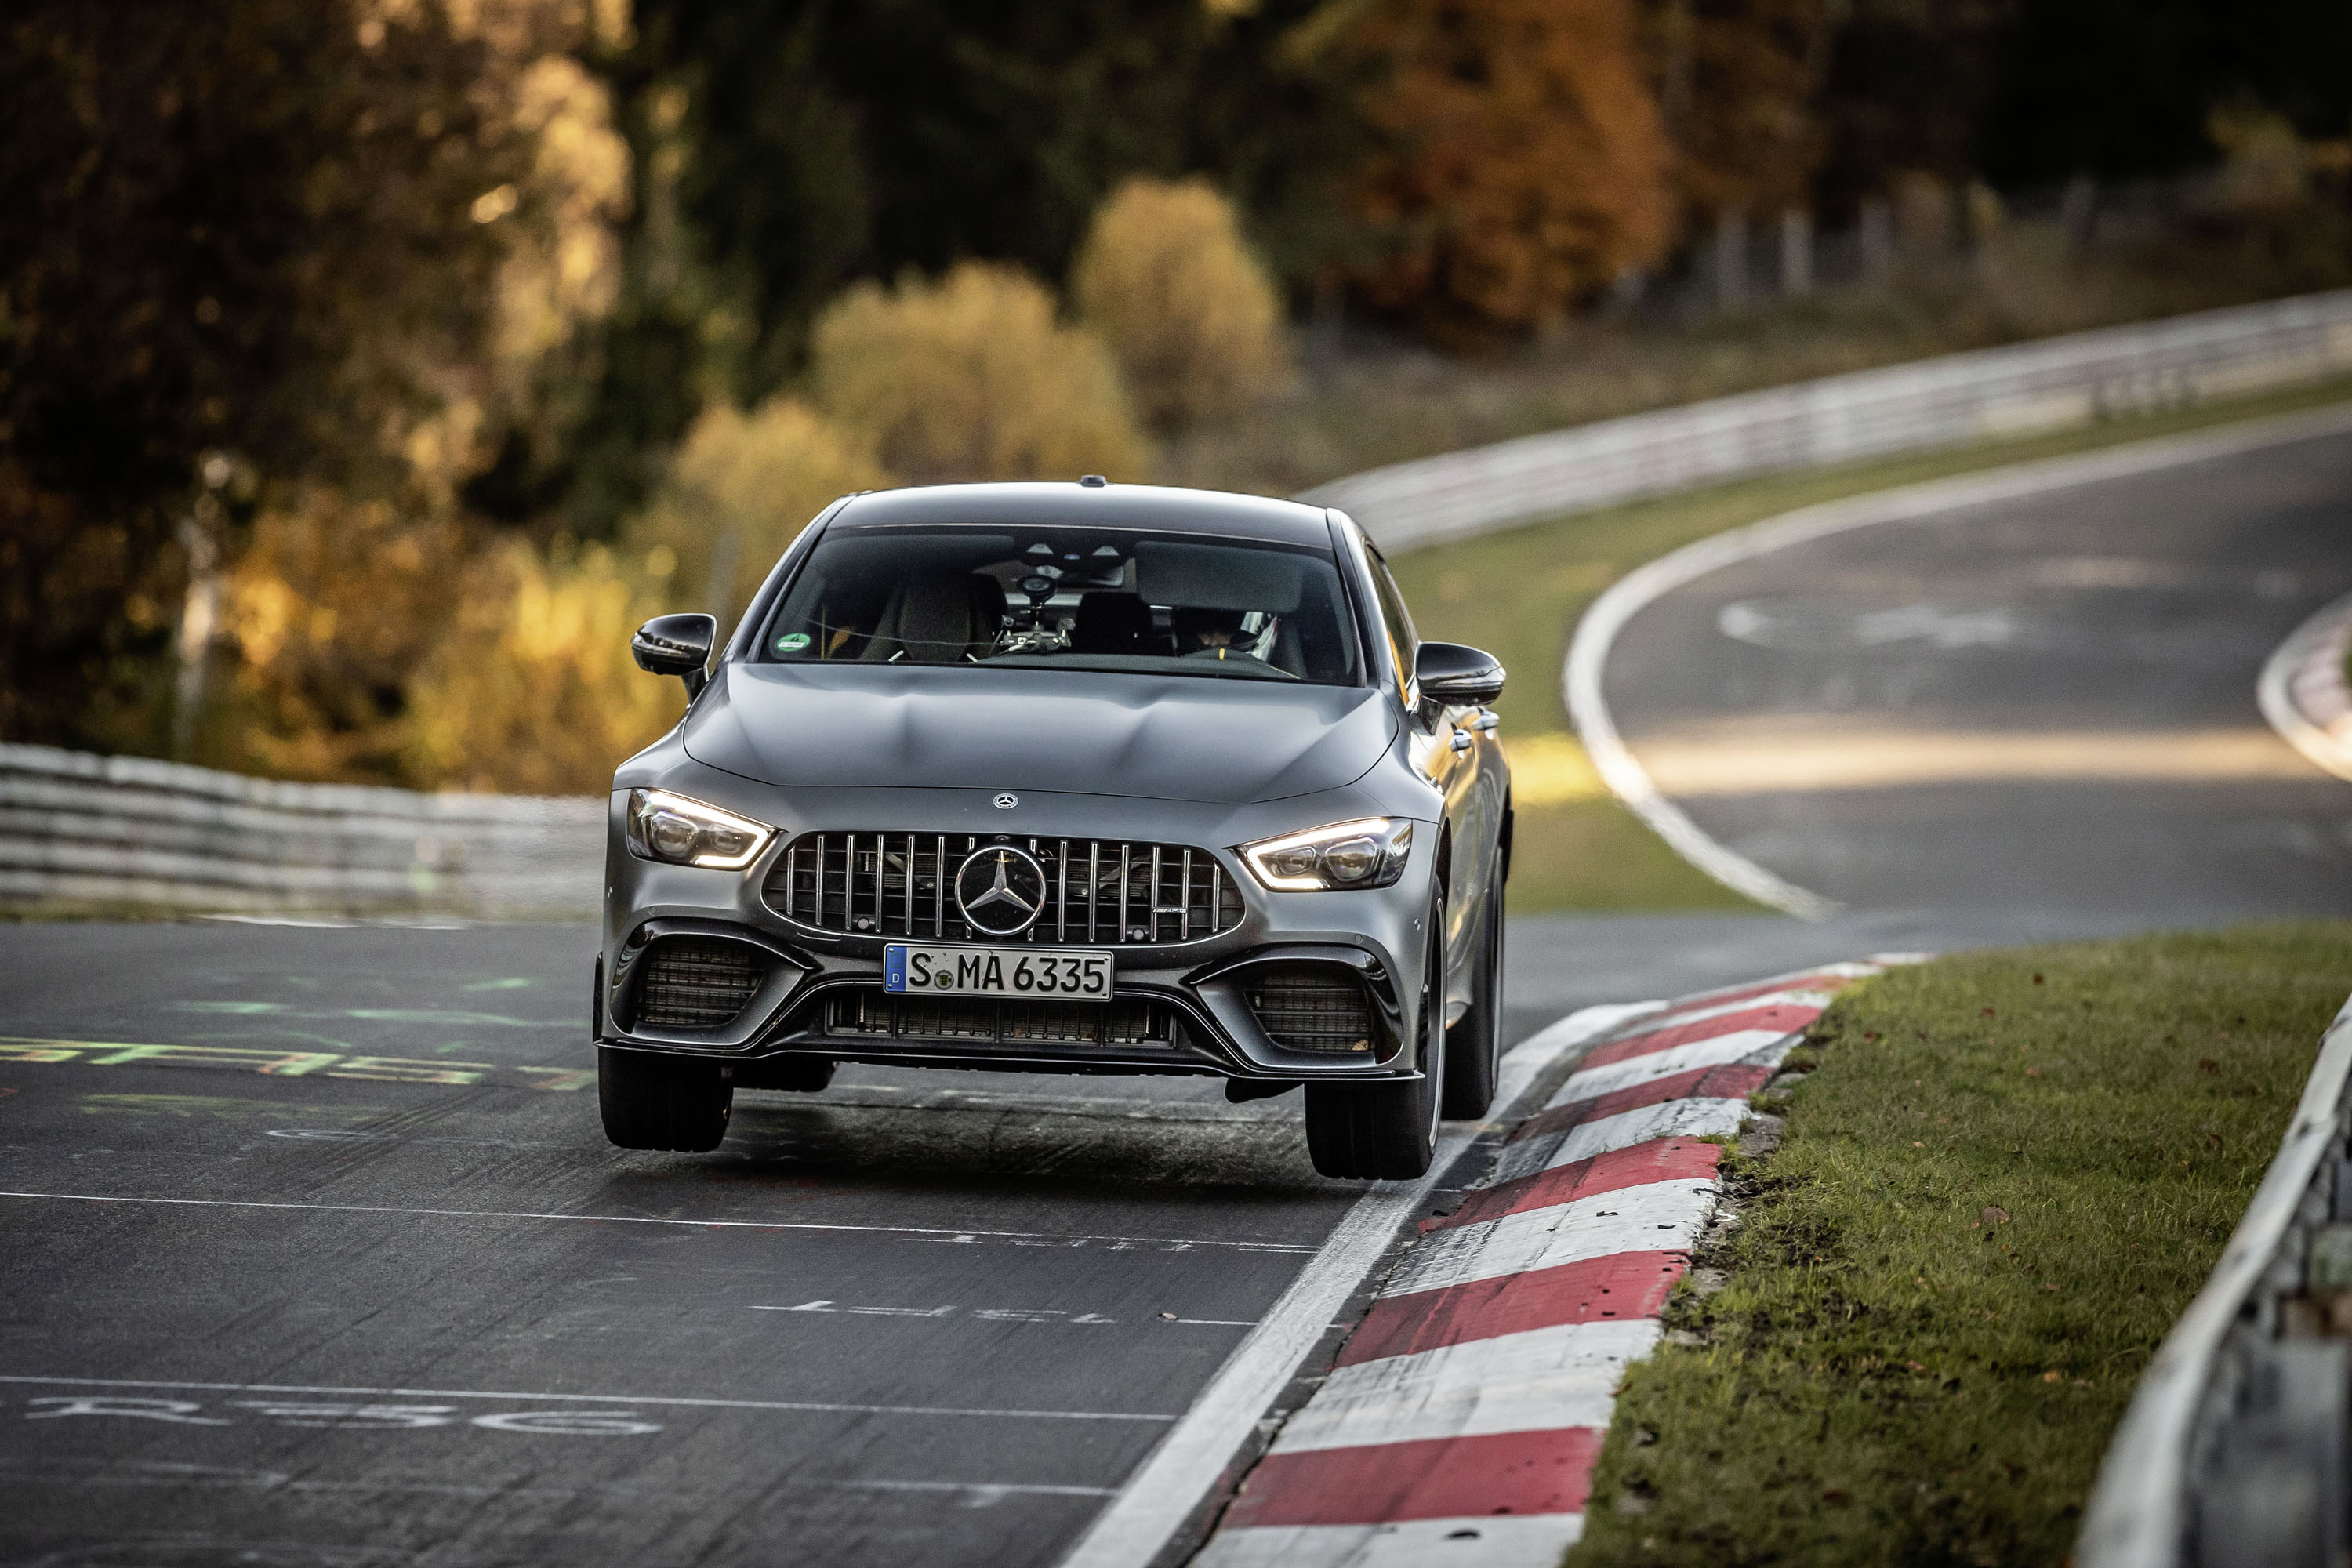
{"type": "Point", "coordinates": [2043, 707]}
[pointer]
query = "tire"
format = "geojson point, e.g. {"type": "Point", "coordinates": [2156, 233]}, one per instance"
{"type": "Point", "coordinates": [1474, 1046]}
{"type": "Point", "coordinates": [1387, 1131]}
{"type": "Point", "coordinates": [662, 1102]}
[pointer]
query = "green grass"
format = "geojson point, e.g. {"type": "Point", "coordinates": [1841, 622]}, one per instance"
{"type": "Point", "coordinates": [1519, 594]}
{"type": "Point", "coordinates": [1894, 1372]}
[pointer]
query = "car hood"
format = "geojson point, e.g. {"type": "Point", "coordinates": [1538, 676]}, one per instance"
{"type": "Point", "coordinates": [1156, 737]}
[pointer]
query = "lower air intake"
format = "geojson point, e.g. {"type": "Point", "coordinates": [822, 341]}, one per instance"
{"type": "Point", "coordinates": [1311, 1006]}
{"type": "Point", "coordinates": [1008, 1022]}
{"type": "Point", "coordinates": [695, 983]}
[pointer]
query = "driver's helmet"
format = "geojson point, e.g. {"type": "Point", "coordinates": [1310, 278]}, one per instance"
{"type": "Point", "coordinates": [1205, 631]}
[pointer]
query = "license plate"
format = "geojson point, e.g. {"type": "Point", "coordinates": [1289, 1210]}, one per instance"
{"type": "Point", "coordinates": [908, 968]}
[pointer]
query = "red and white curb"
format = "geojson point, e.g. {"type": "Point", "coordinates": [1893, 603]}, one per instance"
{"type": "Point", "coordinates": [1462, 1419]}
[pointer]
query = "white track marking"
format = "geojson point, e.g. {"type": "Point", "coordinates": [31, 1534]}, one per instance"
{"type": "Point", "coordinates": [1566, 1375]}
{"type": "Point", "coordinates": [1668, 1118]}
{"type": "Point", "coordinates": [1588, 654]}
{"type": "Point", "coordinates": [984, 1487]}
{"type": "Point", "coordinates": [921, 1233]}
{"type": "Point", "coordinates": [2302, 688]}
{"type": "Point", "coordinates": [1751, 1045]}
{"type": "Point", "coordinates": [1679, 1018]}
{"type": "Point", "coordinates": [511, 1396]}
{"type": "Point", "coordinates": [1164, 1491]}
{"type": "Point", "coordinates": [1792, 980]}
{"type": "Point", "coordinates": [1654, 1216]}
{"type": "Point", "coordinates": [1482, 1541]}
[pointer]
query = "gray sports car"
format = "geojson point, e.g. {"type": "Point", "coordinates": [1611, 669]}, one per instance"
{"type": "Point", "coordinates": [1065, 778]}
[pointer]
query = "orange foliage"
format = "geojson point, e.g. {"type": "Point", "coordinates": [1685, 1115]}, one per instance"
{"type": "Point", "coordinates": [1526, 165]}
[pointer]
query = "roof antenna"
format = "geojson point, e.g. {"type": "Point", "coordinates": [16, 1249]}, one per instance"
{"type": "Point", "coordinates": [1093, 482]}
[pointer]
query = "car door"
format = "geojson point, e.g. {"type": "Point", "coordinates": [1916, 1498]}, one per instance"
{"type": "Point", "coordinates": [1445, 748]}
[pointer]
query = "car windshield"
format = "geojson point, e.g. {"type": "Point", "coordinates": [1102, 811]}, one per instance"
{"type": "Point", "coordinates": [1068, 598]}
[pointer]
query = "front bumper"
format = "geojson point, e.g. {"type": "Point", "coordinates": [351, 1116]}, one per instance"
{"type": "Point", "coordinates": [1195, 992]}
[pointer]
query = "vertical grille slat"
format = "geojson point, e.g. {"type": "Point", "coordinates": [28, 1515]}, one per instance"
{"type": "Point", "coordinates": [1123, 858]}
{"type": "Point", "coordinates": [897, 886]}
{"type": "Point", "coordinates": [1151, 900]}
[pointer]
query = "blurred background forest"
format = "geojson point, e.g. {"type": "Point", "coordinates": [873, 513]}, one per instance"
{"type": "Point", "coordinates": [368, 368]}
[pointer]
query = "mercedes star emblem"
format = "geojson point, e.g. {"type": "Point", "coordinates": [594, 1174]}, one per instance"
{"type": "Point", "coordinates": [1001, 890]}
{"type": "Point", "coordinates": [1007, 802]}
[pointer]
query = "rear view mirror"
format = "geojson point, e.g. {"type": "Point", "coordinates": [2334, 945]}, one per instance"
{"type": "Point", "coordinates": [677, 645]}
{"type": "Point", "coordinates": [1456, 675]}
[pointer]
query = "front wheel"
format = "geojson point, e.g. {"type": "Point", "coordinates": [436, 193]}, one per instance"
{"type": "Point", "coordinates": [652, 1101]}
{"type": "Point", "coordinates": [1474, 1046]}
{"type": "Point", "coordinates": [1388, 1131]}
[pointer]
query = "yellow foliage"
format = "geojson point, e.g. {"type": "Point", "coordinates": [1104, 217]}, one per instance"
{"type": "Point", "coordinates": [740, 489]}
{"type": "Point", "coordinates": [1527, 165]}
{"type": "Point", "coordinates": [1167, 279]}
{"type": "Point", "coordinates": [330, 608]}
{"type": "Point", "coordinates": [555, 222]}
{"type": "Point", "coordinates": [971, 378]}
{"type": "Point", "coordinates": [563, 265]}
{"type": "Point", "coordinates": [533, 690]}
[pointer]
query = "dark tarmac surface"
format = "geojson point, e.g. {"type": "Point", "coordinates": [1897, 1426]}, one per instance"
{"type": "Point", "coordinates": [924, 1319]}
{"type": "Point", "coordinates": [2038, 714]}
{"type": "Point", "coordinates": [331, 1265]}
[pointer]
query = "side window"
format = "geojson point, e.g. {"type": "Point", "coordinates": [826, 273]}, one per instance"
{"type": "Point", "coordinates": [1393, 615]}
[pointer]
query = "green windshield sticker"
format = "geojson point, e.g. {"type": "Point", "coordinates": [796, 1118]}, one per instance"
{"type": "Point", "coordinates": [791, 642]}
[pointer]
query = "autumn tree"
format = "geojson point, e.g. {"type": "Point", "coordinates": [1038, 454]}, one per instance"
{"type": "Point", "coordinates": [1167, 278]}
{"type": "Point", "coordinates": [972, 377]}
{"type": "Point", "coordinates": [340, 249]}
{"type": "Point", "coordinates": [1524, 164]}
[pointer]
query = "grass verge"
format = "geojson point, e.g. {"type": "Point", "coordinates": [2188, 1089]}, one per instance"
{"type": "Point", "coordinates": [1518, 594]}
{"type": "Point", "coordinates": [1938, 1295]}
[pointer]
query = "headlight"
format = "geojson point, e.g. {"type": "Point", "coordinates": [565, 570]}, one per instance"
{"type": "Point", "coordinates": [1370, 853]}
{"type": "Point", "coordinates": [665, 826]}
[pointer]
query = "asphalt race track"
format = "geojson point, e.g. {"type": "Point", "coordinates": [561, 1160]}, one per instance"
{"type": "Point", "coordinates": [314, 1253]}
{"type": "Point", "coordinates": [920, 1320]}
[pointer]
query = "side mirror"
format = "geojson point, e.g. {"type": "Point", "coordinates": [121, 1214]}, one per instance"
{"type": "Point", "coordinates": [1456, 675]}
{"type": "Point", "coordinates": [677, 645]}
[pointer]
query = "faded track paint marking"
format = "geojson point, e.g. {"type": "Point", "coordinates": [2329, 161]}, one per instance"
{"type": "Point", "coordinates": [988, 1314]}
{"type": "Point", "coordinates": [364, 1417]}
{"type": "Point", "coordinates": [291, 1064]}
{"type": "Point", "coordinates": [911, 1232]}
{"type": "Point", "coordinates": [510, 1396]}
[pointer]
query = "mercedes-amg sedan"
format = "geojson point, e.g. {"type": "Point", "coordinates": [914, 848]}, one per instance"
{"type": "Point", "coordinates": [1065, 778]}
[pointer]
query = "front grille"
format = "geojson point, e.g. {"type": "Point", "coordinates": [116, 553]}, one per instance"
{"type": "Point", "coordinates": [695, 983]}
{"type": "Point", "coordinates": [1311, 1006]}
{"type": "Point", "coordinates": [1096, 890]}
{"type": "Point", "coordinates": [879, 1015]}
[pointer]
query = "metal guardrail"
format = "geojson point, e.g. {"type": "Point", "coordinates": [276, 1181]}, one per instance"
{"type": "Point", "coordinates": [2232, 1454]}
{"type": "Point", "coordinates": [2021, 389]}
{"type": "Point", "coordinates": [86, 832]}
